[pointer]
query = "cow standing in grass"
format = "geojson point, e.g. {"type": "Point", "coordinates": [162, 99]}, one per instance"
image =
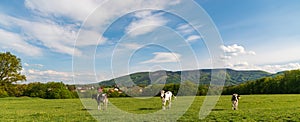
{"type": "Point", "coordinates": [235, 101]}
{"type": "Point", "coordinates": [166, 98]}
{"type": "Point", "coordinates": [101, 100]}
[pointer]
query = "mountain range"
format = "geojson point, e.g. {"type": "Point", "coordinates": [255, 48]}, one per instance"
{"type": "Point", "coordinates": [232, 77]}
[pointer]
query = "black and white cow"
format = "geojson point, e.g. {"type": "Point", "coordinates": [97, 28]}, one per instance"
{"type": "Point", "coordinates": [101, 100]}
{"type": "Point", "coordinates": [235, 101]}
{"type": "Point", "coordinates": [166, 98]}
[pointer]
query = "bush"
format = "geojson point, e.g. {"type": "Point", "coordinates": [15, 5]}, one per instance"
{"type": "Point", "coordinates": [57, 90]}
{"type": "Point", "coordinates": [3, 93]}
{"type": "Point", "coordinates": [36, 90]}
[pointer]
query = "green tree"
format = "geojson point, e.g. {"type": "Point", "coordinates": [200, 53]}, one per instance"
{"type": "Point", "coordinates": [3, 92]}
{"type": "Point", "coordinates": [36, 89]}
{"type": "Point", "coordinates": [58, 90]}
{"type": "Point", "coordinates": [10, 67]}
{"type": "Point", "coordinates": [187, 88]}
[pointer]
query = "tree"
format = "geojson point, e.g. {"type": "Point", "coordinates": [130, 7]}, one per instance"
{"type": "Point", "coordinates": [58, 90]}
{"type": "Point", "coordinates": [10, 67]}
{"type": "Point", "coordinates": [36, 89]}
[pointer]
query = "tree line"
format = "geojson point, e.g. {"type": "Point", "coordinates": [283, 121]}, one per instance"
{"type": "Point", "coordinates": [49, 90]}
{"type": "Point", "coordinates": [187, 88]}
{"type": "Point", "coordinates": [287, 82]}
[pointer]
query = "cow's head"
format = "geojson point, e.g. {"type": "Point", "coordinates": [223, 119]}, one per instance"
{"type": "Point", "coordinates": [162, 93]}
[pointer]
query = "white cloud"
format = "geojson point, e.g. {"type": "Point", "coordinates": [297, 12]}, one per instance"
{"type": "Point", "coordinates": [132, 46]}
{"type": "Point", "coordinates": [142, 14]}
{"type": "Point", "coordinates": [125, 48]}
{"type": "Point", "coordinates": [146, 23]}
{"type": "Point", "coordinates": [235, 50]}
{"type": "Point", "coordinates": [76, 10]}
{"type": "Point", "coordinates": [164, 57]}
{"type": "Point", "coordinates": [26, 65]}
{"type": "Point", "coordinates": [87, 36]}
{"type": "Point", "coordinates": [232, 49]}
{"type": "Point", "coordinates": [241, 64]}
{"type": "Point", "coordinates": [47, 72]}
{"type": "Point", "coordinates": [188, 31]}
{"type": "Point", "coordinates": [79, 10]}
{"type": "Point", "coordinates": [33, 65]}
{"type": "Point", "coordinates": [60, 38]}
{"type": "Point", "coordinates": [282, 67]}
{"type": "Point", "coordinates": [57, 38]}
{"type": "Point", "coordinates": [14, 42]}
{"type": "Point", "coordinates": [251, 53]}
{"type": "Point", "coordinates": [269, 68]}
{"type": "Point", "coordinates": [225, 57]}
{"type": "Point", "coordinates": [193, 38]}
{"type": "Point", "coordinates": [34, 75]}
{"type": "Point", "coordinates": [174, 2]}
{"type": "Point", "coordinates": [185, 29]}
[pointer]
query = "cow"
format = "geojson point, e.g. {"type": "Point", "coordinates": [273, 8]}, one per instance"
{"type": "Point", "coordinates": [101, 100]}
{"type": "Point", "coordinates": [235, 101]}
{"type": "Point", "coordinates": [166, 98]}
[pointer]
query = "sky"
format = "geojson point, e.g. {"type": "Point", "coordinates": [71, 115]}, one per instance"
{"type": "Point", "coordinates": [95, 40]}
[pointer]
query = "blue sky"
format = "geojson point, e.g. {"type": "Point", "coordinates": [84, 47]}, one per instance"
{"type": "Point", "coordinates": [50, 36]}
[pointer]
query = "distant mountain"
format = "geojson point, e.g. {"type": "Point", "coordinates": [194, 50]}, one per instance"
{"type": "Point", "coordinates": [233, 77]}
{"type": "Point", "coordinates": [240, 76]}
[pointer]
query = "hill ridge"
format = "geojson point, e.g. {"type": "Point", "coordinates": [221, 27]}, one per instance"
{"type": "Point", "coordinates": [233, 77]}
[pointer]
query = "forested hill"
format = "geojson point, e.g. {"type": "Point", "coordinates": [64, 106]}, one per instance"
{"type": "Point", "coordinates": [233, 77]}
{"type": "Point", "coordinates": [287, 82]}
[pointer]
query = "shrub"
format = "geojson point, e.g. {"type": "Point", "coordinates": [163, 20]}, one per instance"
{"type": "Point", "coordinates": [3, 93]}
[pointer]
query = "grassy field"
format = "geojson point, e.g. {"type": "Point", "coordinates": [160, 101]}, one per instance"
{"type": "Point", "coordinates": [251, 108]}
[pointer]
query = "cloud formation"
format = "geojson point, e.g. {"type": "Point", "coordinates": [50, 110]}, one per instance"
{"type": "Point", "coordinates": [164, 57]}
{"type": "Point", "coordinates": [34, 75]}
{"type": "Point", "coordinates": [77, 11]}
{"type": "Point", "coordinates": [184, 29]}
{"type": "Point", "coordinates": [282, 67]}
{"type": "Point", "coordinates": [234, 50]}
{"type": "Point", "coordinates": [193, 38]}
{"type": "Point", "coordinates": [147, 22]}
{"type": "Point", "coordinates": [12, 41]}
{"type": "Point", "coordinates": [33, 65]}
{"type": "Point", "coordinates": [38, 75]}
{"type": "Point", "coordinates": [48, 31]}
{"type": "Point", "coordinates": [269, 68]}
{"type": "Point", "coordinates": [132, 46]}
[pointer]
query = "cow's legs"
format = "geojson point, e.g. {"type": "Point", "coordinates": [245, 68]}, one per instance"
{"type": "Point", "coordinates": [105, 105]}
{"type": "Point", "coordinates": [164, 105]}
{"type": "Point", "coordinates": [233, 108]}
{"type": "Point", "coordinates": [169, 106]}
{"type": "Point", "coordinates": [234, 105]}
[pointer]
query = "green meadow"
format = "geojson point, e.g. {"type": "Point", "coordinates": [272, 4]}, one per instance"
{"type": "Point", "coordinates": [251, 108]}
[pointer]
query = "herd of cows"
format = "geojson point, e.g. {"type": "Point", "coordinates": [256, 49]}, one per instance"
{"type": "Point", "coordinates": [166, 98]}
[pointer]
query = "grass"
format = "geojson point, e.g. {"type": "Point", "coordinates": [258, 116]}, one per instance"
{"type": "Point", "coordinates": [42, 110]}
{"type": "Point", "coordinates": [251, 108]}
